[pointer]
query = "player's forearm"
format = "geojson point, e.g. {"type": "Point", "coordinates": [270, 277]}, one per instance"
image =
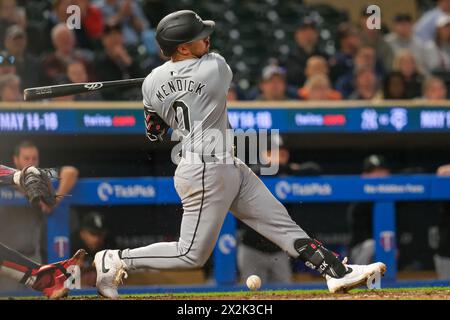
{"type": "Point", "coordinates": [155, 125]}
{"type": "Point", "coordinates": [6, 170]}
{"type": "Point", "coordinates": [68, 178]}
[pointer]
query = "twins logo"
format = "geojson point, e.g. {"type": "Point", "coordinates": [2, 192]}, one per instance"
{"type": "Point", "coordinates": [399, 118]}
{"type": "Point", "coordinates": [61, 246]}
{"type": "Point", "coordinates": [93, 86]}
{"type": "Point", "coordinates": [387, 240]}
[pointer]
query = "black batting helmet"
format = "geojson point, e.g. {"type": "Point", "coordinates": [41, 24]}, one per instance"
{"type": "Point", "coordinates": [181, 27]}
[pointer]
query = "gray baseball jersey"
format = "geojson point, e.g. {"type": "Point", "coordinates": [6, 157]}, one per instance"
{"type": "Point", "coordinates": [190, 96]}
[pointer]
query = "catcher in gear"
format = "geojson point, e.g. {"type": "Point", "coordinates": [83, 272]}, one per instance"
{"type": "Point", "coordinates": [35, 183]}
{"type": "Point", "coordinates": [38, 187]}
{"type": "Point", "coordinates": [49, 279]}
{"type": "Point", "coordinates": [26, 154]}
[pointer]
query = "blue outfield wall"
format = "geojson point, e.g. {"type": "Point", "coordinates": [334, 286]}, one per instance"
{"type": "Point", "coordinates": [384, 192]}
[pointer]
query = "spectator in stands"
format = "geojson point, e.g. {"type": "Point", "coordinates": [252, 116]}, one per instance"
{"type": "Point", "coordinates": [63, 79]}
{"type": "Point", "coordinates": [10, 88]}
{"type": "Point", "coordinates": [425, 27]}
{"type": "Point", "coordinates": [9, 15]}
{"type": "Point", "coordinates": [7, 63]}
{"type": "Point", "coordinates": [55, 63]}
{"type": "Point", "coordinates": [402, 37]}
{"type": "Point", "coordinates": [57, 15]}
{"type": "Point", "coordinates": [365, 58]}
{"type": "Point", "coordinates": [316, 65]}
{"type": "Point", "coordinates": [63, 40]}
{"type": "Point", "coordinates": [116, 63]}
{"type": "Point", "coordinates": [405, 63]}
{"type": "Point", "coordinates": [362, 244]}
{"type": "Point", "coordinates": [349, 42]}
{"type": "Point", "coordinates": [366, 85]}
{"type": "Point", "coordinates": [375, 39]}
{"type": "Point", "coordinates": [154, 60]}
{"type": "Point", "coordinates": [128, 14]}
{"type": "Point", "coordinates": [307, 40]}
{"type": "Point", "coordinates": [438, 51]}
{"type": "Point", "coordinates": [394, 86]}
{"type": "Point", "coordinates": [442, 256]}
{"type": "Point", "coordinates": [76, 73]}
{"type": "Point", "coordinates": [434, 89]}
{"type": "Point", "coordinates": [88, 36]}
{"type": "Point", "coordinates": [16, 45]}
{"type": "Point", "coordinates": [273, 83]}
{"type": "Point", "coordinates": [318, 87]}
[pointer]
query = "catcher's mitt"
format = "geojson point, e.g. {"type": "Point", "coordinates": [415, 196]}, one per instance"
{"type": "Point", "coordinates": [38, 187]}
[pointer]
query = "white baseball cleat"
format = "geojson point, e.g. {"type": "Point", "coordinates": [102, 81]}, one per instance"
{"type": "Point", "coordinates": [111, 271]}
{"type": "Point", "coordinates": [355, 278]}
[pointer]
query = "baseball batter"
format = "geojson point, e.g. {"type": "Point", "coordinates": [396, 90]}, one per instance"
{"type": "Point", "coordinates": [188, 94]}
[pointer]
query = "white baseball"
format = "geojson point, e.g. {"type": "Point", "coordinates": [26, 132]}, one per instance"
{"type": "Point", "coordinates": [253, 282]}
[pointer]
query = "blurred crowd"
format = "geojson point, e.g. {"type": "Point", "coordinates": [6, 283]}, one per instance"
{"type": "Point", "coordinates": [116, 41]}
{"type": "Point", "coordinates": [410, 61]}
{"type": "Point", "coordinates": [107, 46]}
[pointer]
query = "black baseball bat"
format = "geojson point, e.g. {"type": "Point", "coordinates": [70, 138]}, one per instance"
{"type": "Point", "coordinates": [46, 92]}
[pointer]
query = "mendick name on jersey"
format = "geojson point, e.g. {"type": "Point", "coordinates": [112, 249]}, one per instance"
{"type": "Point", "coordinates": [179, 85]}
{"type": "Point", "coordinates": [190, 95]}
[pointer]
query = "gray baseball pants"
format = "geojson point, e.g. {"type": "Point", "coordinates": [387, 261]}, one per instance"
{"type": "Point", "coordinates": [208, 191]}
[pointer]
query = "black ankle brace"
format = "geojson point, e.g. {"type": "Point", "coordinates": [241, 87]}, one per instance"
{"type": "Point", "coordinates": [319, 258]}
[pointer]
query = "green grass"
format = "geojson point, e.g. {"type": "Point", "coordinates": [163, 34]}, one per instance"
{"type": "Point", "coordinates": [274, 293]}
{"type": "Point", "coordinates": [263, 293]}
{"type": "Point", "coordinates": [281, 292]}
